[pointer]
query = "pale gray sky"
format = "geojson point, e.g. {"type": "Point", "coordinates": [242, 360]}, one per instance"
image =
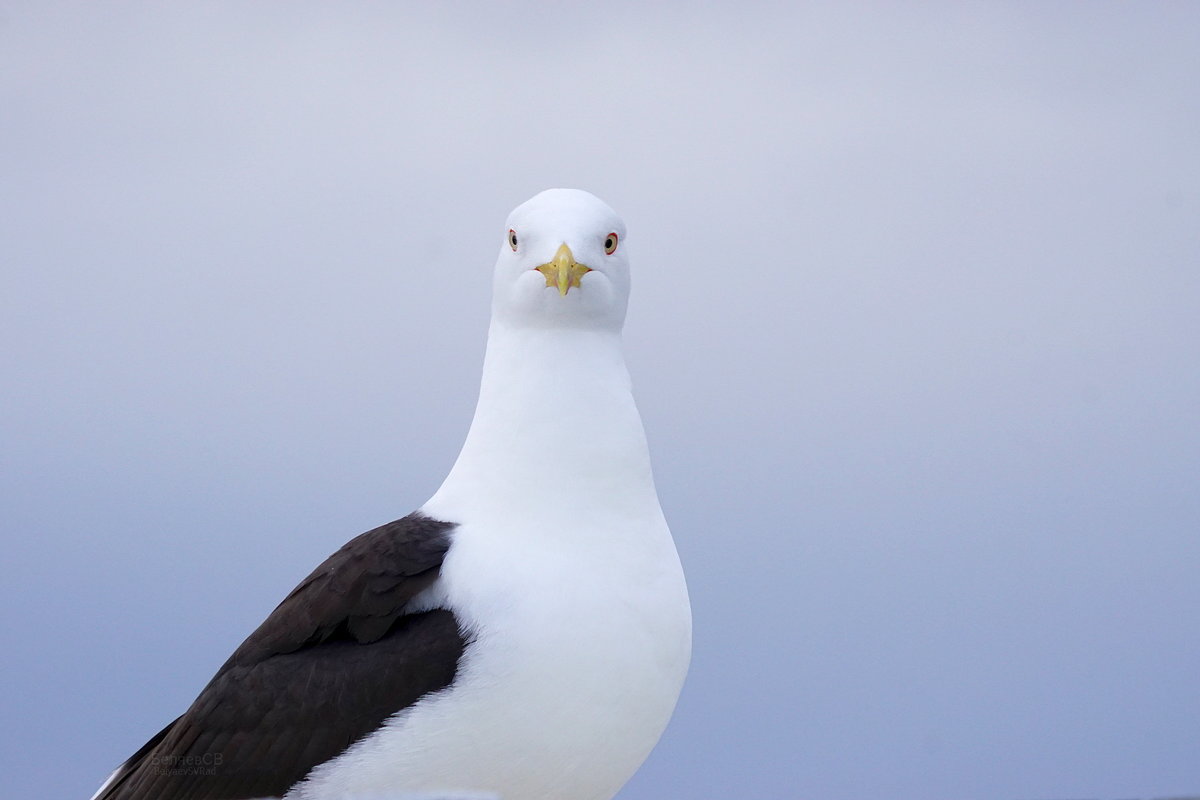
{"type": "Point", "coordinates": [915, 334]}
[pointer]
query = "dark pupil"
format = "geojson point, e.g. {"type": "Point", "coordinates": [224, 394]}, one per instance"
{"type": "Point", "coordinates": [608, 242]}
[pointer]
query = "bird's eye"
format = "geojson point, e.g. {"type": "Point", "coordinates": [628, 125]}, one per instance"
{"type": "Point", "coordinates": [512, 239]}
{"type": "Point", "coordinates": [610, 244]}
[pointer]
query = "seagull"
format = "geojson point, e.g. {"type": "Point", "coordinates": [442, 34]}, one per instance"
{"type": "Point", "coordinates": [524, 634]}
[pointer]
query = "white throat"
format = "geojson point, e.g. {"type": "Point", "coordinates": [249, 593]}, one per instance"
{"type": "Point", "coordinates": [556, 433]}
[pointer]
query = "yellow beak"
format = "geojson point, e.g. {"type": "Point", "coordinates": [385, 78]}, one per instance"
{"type": "Point", "coordinates": [563, 270]}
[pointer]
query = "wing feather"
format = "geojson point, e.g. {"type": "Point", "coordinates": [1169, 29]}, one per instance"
{"type": "Point", "coordinates": [335, 659]}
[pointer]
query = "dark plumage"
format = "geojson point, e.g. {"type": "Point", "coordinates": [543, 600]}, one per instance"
{"type": "Point", "coordinates": [334, 660]}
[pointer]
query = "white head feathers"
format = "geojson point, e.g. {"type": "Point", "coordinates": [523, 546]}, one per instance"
{"type": "Point", "coordinates": [563, 262]}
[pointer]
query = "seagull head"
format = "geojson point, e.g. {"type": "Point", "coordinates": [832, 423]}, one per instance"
{"type": "Point", "coordinates": [563, 262]}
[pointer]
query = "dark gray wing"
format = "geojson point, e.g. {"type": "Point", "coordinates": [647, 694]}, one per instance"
{"type": "Point", "coordinates": [334, 660]}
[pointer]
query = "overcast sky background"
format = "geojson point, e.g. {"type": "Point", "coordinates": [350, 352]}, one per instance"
{"type": "Point", "coordinates": [915, 334]}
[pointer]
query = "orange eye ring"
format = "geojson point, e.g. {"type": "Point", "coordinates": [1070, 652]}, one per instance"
{"type": "Point", "coordinates": [610, 243]}
{"type": "Point", "coordinates": [512, 239]}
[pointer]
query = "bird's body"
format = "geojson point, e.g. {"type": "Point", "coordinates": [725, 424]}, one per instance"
{"type": "Point", "coordinates": [534, 606]}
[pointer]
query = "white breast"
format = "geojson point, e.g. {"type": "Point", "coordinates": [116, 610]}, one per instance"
{"type": "Point", "coordinates": [581, 647]}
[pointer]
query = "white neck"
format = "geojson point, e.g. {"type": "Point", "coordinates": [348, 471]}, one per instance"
{"type": "Point", "coordinates": [556, 434]}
